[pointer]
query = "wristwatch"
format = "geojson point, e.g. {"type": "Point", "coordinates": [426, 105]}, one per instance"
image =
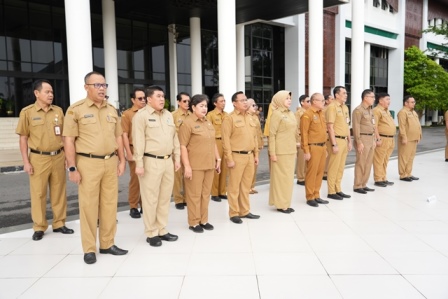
{"type": "Point", "coordinates": [72, 169]}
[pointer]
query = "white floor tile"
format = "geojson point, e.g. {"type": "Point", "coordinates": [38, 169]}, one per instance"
{"type": "Point", "coordinates": [49, 246]}
{"type": "Point", "coordinates": [14, 287]}
{"type": "Point", "coordinates": [395, 243]}
{"type": "Point", "coordinates": [350, 263]}
{"type": "Point", "coordinates": [422, 227]}
{"type": "Point", "coordinates": [428, 263]}
{"type": "Point", "coordinates": [216, 287]}
{"type": "Point", "coordinates": [279, 243]}
{"type": "Point", "coordinates": [375, 227]}
{"type": "Point", "coordinates": [214, 244]}
{"type": "Point", "coordinates": [17, 266]}
{"type": "Point", "coordinates": [155, 264]}
{"type": "Point", "coordinates": [431, 286]}
{"type": "Point", "coordinates": [203, 264]}
{"type": "Point", "coordinates": [338, 243]}
{"type": "Point", "coordinates": [324, 228]}
{"type": "Point", "coordinates": [8, 245]}
{"type": "Point", "coordinates": [437, 241]}
{"type": "Point", "coordinates": [288, 264]}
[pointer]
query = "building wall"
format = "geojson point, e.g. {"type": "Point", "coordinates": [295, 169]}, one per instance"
{"type": "Point", "coordinates": [413, 27]}
{"type": "Point", "coordinates": [437, 10]}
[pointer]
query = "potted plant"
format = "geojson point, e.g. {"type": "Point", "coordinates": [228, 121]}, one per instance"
{"type": "Point", "coordinates": [9, 107]}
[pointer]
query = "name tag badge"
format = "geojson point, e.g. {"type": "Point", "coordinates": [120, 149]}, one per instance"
{"type": "Point", "coordinates": [57, 130]}
{"type": "Point", "coordinates": [347, 120]}
{"type": "Point", "coordinates": [373, 120]}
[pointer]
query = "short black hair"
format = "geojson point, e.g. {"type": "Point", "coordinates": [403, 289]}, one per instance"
{"type": "Point", "coordinates": [337, 89]}
{"type": "Point", "coordinates": [216, 96]}
{"type": "Point", "coordinates": [151, 89]}
{"type": "Point", "coordinates": [235, 95]}
{"type": "Point", "coordinates": [406, 98]}
{"type": "Point", "coordinates": [86, 77]}
{"type": "Point", "coordinates": [133, 93]}
{"type": "Point", "coordinates": [196, 99]}
{"type": "Point", "coordinates": [380, 95]}
{"type": "Point", "coordinates": [366, 92]}
{"type": "Point", "coordinates": [303, 98]}
{"type": "Point", "coordinates": [179, 96]}
{"type": "Point", "coordinates": [37, 85]}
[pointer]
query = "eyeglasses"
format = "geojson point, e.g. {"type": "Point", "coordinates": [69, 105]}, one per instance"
{"type": "Point", "coordinates": [411, 102]}
{"type": "Point", "coordinates": [141, 99]}
{"type": "Point", "coordinates": [98, 85]}
{"type": "Point", "coordinates": [242, 101]}
{"type": "Point", "coordinates": [185, 101]}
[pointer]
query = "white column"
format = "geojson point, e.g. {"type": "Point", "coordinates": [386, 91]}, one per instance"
{"type": "Point", "coordinates": [366, 65]}
{"type": "Point", "coordinates": [315, 46]}
{"type": "Point", "coordinates": [196, 57]}
{"type": "Point", "coordinates": [172, 50]}
{"type": "Point", "coordinates": [423, 39]}
{"type": "Point", "coordinates": [79, 46]}
{"type": "Point", "coordinates": [240, 70]}
{"type": "Point", "coordinates": [110, 51]}
{"type": "Point", "coordinates": [357, 71]}
{"type": "Point", "coordinates": [227, 50]}
{"type": "Point", "coordinates": [339, 46]}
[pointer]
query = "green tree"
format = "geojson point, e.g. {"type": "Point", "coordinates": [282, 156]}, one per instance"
{"type": "Point", "coordinates": [425, 80]}
{"type": "Point", "coordinates": [439, 50]}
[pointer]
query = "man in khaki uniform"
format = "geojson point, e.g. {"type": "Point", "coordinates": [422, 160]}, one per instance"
{"type": "Point", "coordinates": [340, 142]}
{"type": "Point", "coordinates": [328, 100]}
{"type": "Point", "coordinates": [155, 141]}
{"type": "Point", "coordinates": [313, 131]}
{"type": "Point", "coordinates": [410, 134]}
{"type": "Point", "coordinates": [300, 163]}
{"type": "Point", "coordinates": [215, 117]}
{"type": "Point", "coordinates": [138, 99]}
{"type": "Point", "coordinates": [40, 130]}
{"type": "Point", "coordinates": [364, 134]}
{"type": "Point", "coordinates": [241, 154]}
{"type": "Point", "coordinates": [183, 101]}
{"type": "Point", "coordinates": [252, 109]}
{"type": "Point", "coordinates": [386, 133]}
{"type": "Point", "coordinates": [93, 139]}
{"type": "Point", "coordinates": [446, 135]}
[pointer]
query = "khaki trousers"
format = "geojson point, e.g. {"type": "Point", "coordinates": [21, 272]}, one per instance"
{"type": "Point", "coordinates": [381, 159]}
{"type": "Point", "coordinates": [134, 187]}
{"type": "Point", "coordinates": [98, 197]}
{"type": "Point", "coordinates": [240, 178]}
{"type": "Point", "coordinates": [363, 164]}
{"type": "Point", "coordinates": [300, 166]}
{"type": "Point", "coordinates": [155, 188]}
{"type": "Point", "coordinates": [178, 187]}
{"type": "Point", "coordinates": [327, 159]}
{"type": "Point", "coordinates": [282, 181]}
{"type": "Point", "coordinates": [49, 171]}
{"type": "Point", "coordinates": [220, 179]}
{"type": "Point", "coordinates": [406, 154]}
{"type": "Point", "coordinates": [198, 196]}
{"type": "Point", "coordinates": [315, 171]}
{"type": "Point", "coordinates": [336, 165]}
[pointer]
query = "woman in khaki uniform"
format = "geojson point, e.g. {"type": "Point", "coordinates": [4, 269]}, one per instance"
{"type": "Point", "coordinates": [200, 158]}
{"type": "Point", "coordinates": [283, 139]}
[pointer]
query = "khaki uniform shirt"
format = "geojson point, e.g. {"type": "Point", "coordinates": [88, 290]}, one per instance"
{"type": "Point", "coordinates": [198, 136]}
{"type": "Point", "coordinates": [126, 121]}
{"type": "Point", "coordinates": [39, 127]}
{"type": "Point", "coordinates": [154, 133]}
{"type": "Point", "coordinates": [216, 117]}
{"type": "Point", "coordinates": [283, 133]}
{"type": "Point", "coordinates": [363, 122]}
{"type": "Point", "coordinates": [298, 115]}
{"type": "Point", "coordinates": [337, 114]}
{"type": "Point", "coordinates": [384, 121]}
{"type": "Point", "coordinates": [313, 128]}
{"type": "Point", "coordinates": [446, 122]}
{"type": "Point", "coordinates": [179, 117]}
{"type": "Point", "coordinates": [409, 125]}
{"type": "Point", "coordinates": [238, 134]}
{"type": "Point", "coordinates": [258, 133]}
{"type": "Point", "coordinates": [95, 129]}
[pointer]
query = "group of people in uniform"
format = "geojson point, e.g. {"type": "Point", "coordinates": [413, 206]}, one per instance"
{"type": "Point", "coordinates": [197, 156]}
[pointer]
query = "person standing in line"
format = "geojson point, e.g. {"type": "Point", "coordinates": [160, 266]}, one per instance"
{"type": "Point", "coordinates": [215, 117]}
{"type": "Point", "coordinates": [340, 142]}
{"type": "Point", "coordinates": [155, 141]}
{"type": "Point", "coordinates": [386, 133]}
{"type": "Point", "coordinates": [301, 163]}
{"type": "Point", "coordinates": [271, 109]}
{"type": "Point", "coordinates": [364, 134]}
{"type": "Point", "coordinates": [93, 139]}
{"type": "Point", "coordinates": [41, 146]}
{"type": "Point", "coordinates": [446, 135]}
{"type": "Point", "coordinates": [410, 134]}
{"type": "Point", "coordinates": [200, 158]}
{"type": "Point", "coordinates": [241, 154]}
{"type": "Point", "coordinates": [183, 101]}
{"type": "Point", "coordinates": [328, 100]}
{"type": "Point", "coordinates": [138, 102]}
{"type": "Point", "coordinates": [313, 130]}
{"type": "Point", "coordinates": [252, 110]}
{"type": "Point", "coordinates": [282, 150]}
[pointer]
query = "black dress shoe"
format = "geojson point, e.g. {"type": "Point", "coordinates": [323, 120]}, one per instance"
{"type": "Point", "coordinates": [343, 195]}
{"type": "Point", "coordinates": [388, 183]}
{"type": "Point", "coordinates": [291, 210]}
{"type": "Point", "coordinates": [196, 229]}
{"type": "Point", "coordinates": [368, 189]}
{"type": "Point", "coordinates": [414, 178]}
{"type": "Point", "coordinates": [446, 160]}
{"type": "Point", "coordinates": [185, 204]}
{"type": "Point", "coordinates": [169, 237]}
{"type": "Point", "coordinates": [223, 196]}
{"type": "Point", "coordinates": [406, 179]}
{"type": "Point", "coordinates": [335, 196]}
{"type": "Point", "coordinates": [114, 250]}
{"type": "Point", "coordinates": [207, 226]}
{"type": "Point", "coordinates": [134, 213]}
{"type": "Point", "coordinates": [360, 190]}
{"type": "Point", "coordinates": [312, 203]}
{"type": "Point", "coordinates": [380, 184]}
{"type": "Point", "coordinates": [141, 210]}
{"type": "Point", "coordinates": [302, 183]}
{"type": "Point", "coordinates": [180, 206]}
{"type": "Point", "coordinates": [154, 241]}
{"type": "Point", "coordinates": [286, 211]}
{"type": "Point", "coordinates": [321, 201]}
{"type": "Point", "coordinates": [251, 216]}
{"type": "Point", "coordinates": [216, 198]}
{"type": "Point", "coordinates": [90, 258]}
{"type": "Point", "coordinates": [63, 229]}
{"type": "Point", "coordinates": [236, 219]}
{"type": "Point", "coordinates": [38, 235]}
{"type": "Point", "coordinates": [324, 177]}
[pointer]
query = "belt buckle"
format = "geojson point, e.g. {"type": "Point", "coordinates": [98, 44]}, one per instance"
{"type": "Point", "coordinates": [53, 153]}
{"type": "Point", "coordinates": [249, 152]}
{"type": "Point", "coordinates": [166, 157]}
{"type": "Point", "coordinates": [106, 157]}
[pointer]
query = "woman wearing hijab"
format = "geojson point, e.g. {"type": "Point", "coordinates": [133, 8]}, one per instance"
{"type": "Point", "coordinates": [283, 139]}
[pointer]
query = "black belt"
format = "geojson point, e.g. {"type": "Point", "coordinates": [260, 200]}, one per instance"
{"type": "Point", "coordinates": [106, 157]}
{"type": "Point", "coordinates": [157, 157]}
{"type": "Point", "coordinates": [366, 134]}
{"type": "Point", "coordinates": [53, 153]}
{"type": "Point", "coordinates": [219, 138]}
{"type": "Point", "coordinates": [387, 136]}
{"type": "Point", "coordinates": [341, 137]}
{"type": "Point", "coordinates": [242, 152]}
{"type": "Point", "coordinates": [318, 144]}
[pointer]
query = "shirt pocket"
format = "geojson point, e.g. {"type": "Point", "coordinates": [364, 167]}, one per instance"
{"type": "Point", "coordinates": [111, 122]}
{"type": "Point", "coordinates": [37, 122]}
{"type": "Point", "coordinates": [87, 121]}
